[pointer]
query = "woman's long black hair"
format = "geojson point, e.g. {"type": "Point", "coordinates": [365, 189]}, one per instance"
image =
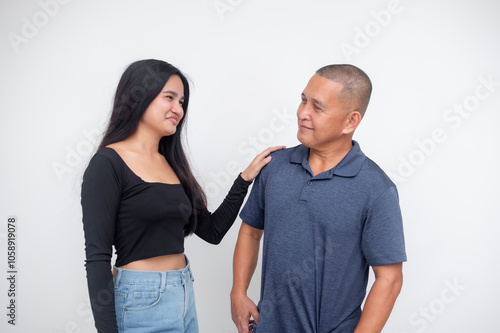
{"type": "Point", "coordinates": [139, 85]}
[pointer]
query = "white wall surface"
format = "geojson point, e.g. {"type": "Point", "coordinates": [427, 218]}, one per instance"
{"type": "Point", "coordinates": [432, 125]}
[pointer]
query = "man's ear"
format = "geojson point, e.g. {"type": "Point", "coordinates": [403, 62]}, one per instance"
{"type": "Point", "coordinates": [351, 122]}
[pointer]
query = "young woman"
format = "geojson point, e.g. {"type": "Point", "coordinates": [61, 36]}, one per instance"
{"type": "Point", "coordinates": [138, 194]}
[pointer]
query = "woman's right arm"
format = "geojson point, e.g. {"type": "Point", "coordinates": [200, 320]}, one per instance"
{"type": "Point", "coordinates": [101, 191]}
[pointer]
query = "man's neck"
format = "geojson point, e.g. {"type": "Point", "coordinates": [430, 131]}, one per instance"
{"type": "Point", "coordinates": [323, 159]}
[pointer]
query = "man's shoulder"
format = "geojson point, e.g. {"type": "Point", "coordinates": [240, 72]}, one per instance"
{"type": "Point", "coordinates": [375, 175]}
{"type": "Point", "coordinates": [287, 153]}
{"type": "Point", "coordinates": [283, 157]}
{"type": "Point", "coordinates": [279, 160]}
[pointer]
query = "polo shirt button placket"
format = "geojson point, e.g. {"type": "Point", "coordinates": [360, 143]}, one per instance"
{"type": "Point", "coordinates": [305, 193]}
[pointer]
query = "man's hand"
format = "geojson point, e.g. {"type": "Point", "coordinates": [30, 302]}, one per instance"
{"type": "Point", "coordinates": [244, 262]}
{"type": "Point", "coordinates": [242, 308]}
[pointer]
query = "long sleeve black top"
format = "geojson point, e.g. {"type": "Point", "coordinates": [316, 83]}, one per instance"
{"type": "Point", "coordinates": [142, 220]}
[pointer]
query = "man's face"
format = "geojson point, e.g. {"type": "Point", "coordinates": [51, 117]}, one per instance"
{"type": "Point", "coordinates": [321, 116]}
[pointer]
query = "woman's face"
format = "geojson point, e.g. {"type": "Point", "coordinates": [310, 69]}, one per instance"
{"type": "Point", "coordinates": [165, 111]}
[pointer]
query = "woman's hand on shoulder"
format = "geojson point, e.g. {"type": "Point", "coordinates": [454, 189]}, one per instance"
{"type": "Point", "coordinates": [258, 163]}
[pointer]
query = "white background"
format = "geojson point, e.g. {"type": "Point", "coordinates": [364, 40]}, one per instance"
{"type": "Point", "coordinates": [249, 61]}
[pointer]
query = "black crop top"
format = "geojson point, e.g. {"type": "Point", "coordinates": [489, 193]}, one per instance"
{"type": "Point", "coordinates": [142, 220]}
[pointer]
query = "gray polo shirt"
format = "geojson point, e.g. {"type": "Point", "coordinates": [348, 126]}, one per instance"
{"type": "Point", "coordinates": [321, 234]}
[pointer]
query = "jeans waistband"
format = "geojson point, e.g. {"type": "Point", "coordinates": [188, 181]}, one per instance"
{"type": "Point", "coordinates": [162, 278]}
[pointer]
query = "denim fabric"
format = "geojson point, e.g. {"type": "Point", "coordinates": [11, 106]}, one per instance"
{"type": "Point", "coordinates": [150, 301]}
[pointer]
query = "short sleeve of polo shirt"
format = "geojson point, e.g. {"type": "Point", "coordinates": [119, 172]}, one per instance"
{"type": "Point", "coordinates": [253, 211]}
{"type": "Point", "coordinates": [383, 239]}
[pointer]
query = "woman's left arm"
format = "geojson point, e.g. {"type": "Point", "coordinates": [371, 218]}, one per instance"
{"type": "Point", "coordinates": [212, 227]}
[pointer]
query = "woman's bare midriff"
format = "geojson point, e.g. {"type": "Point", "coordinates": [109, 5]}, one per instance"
{"type": "Point", "coordinates": [170, 262]}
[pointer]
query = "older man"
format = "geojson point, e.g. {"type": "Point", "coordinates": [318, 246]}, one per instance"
{"type": "Point", "coordinates": [327, 213]}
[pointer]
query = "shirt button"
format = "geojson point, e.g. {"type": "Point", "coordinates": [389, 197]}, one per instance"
{"type": "Point", "coordinates": [309, 183]}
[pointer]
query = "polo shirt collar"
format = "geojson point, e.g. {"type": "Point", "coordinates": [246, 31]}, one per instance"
{"type": "Point", "coordinates": [348, 167]}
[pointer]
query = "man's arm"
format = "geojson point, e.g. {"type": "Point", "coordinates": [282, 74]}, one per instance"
{"type": "Point", "coordinates": [381, 298]}
{"type": "Point", "coordinates": [245, 259]}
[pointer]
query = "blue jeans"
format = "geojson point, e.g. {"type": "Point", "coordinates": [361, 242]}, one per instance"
{"type": "Point", "coordinates": [150, 301]}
